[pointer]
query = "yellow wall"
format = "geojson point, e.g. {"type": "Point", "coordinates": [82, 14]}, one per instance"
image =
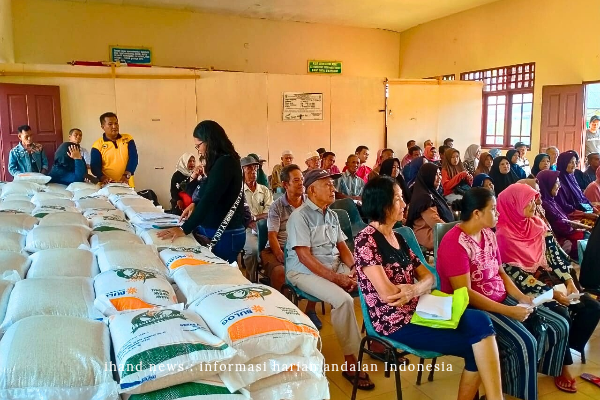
{"type": "Point", "coordinates": [560, 36]}
{"type": "Point", "coordinates": [55, 32]}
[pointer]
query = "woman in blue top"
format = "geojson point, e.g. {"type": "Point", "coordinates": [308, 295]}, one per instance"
{"type": "Point", "coordinates": [69, 165]}
{"type": "Point", "coordinates": [27, 156]}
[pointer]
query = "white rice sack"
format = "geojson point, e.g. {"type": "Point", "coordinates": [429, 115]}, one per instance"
{"type": "Point", "coordinates": [56, 237]}
{"type": "Point", "coordinates": [21, 206]}
{"type": "Point", "coordinates": [66, 296]}
{"type": "Point", "coordinates": [110, 223]}
{"type": "Point", "coordinates": [62, 262]}
{"type": "Point", "coordinates": [125, 289]}
{"type": "Point", "coordinates": [32, 177]}
{"type": "Point", "coordinates": [211, 388]}
{"type": "Point", "coordinates": [75, 186]}
{"type": "Point", "coordinates": [256, 320]}
{"type": "Point", "coordinates": [53, 357]}
{"type": "Point", "coordinates": [10, 262]}
{"type": "Point", "coordinates": [6, 288]}
{"type": "Point", "coordinates": [83, 193]}
{"type": "Point", "coordinates": [17, 197]}
{"type": "Point", "coordinates": [22, 188]}
{"type": "Point", "coordinates": [55, 202]}
{"type": "Point", "coordinates": [191, 280]}
{"type": "Point", "coordinates": [100, 239]}
{"type": "Point", "coordinates": [272, 364]}
{"type": "Point", "coordinates": [12, 241]}
{"type": "Point", "coordinates": [16, 222]}
{"type": "Point", "coordinates": [95, 203]}
{"type": "Point", "coordinates": [150, 236]}
{"type": "Point", "coordinates": [65, 219]}
{"type": "Point", "coordinates": [189, 256]}
{"type": "Point", "coordinates": [134, 202]}
{"type": "Point", "coordinates": [138, 256]}
{"type": "Point", "coordinates": [290, 385]}
{"type": "Point", "coordinates": [120, 189]}
{"type": "Point", "coordinates": [92, 212]}
{"type": "Point", "coordinates": [48, 196]}
{"type": "Point", "coordinates": [172, 340]}
{"type": "Point", "coordinates": [41, 212]}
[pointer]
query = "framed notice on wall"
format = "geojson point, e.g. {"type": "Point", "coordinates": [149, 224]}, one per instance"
{"type": "Point", "coordinates": [302, 106]}
{"type": "Point", "coordinates": [131, 55]}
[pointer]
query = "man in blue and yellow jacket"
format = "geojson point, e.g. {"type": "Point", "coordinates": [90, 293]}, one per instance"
{"type": "Point", "coordinates": [114, 156]}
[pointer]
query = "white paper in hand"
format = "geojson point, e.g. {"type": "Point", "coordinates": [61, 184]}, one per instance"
{"type": "Point", "coordinates": [573, 297]}
{"type": "Point", "coordinates": [544, 297]}
{"type": "Point", "coordinates": [435, 307]}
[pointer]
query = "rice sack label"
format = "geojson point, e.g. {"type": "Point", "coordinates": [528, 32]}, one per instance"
{"type": "Point", "coordinates": [256, 320]}
{"type": "Point", "coordinates": [162, 347]}
{"type": "Point", "coordinates": [177, 257]}
{"type": "Point", "coordinates": [124, 289]}
{"type": "Point", "coordinates": [205, 389]}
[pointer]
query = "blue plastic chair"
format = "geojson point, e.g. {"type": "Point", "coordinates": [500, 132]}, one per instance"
{"type": "Point", "coordinates": [355, 219]}
{"type": "Point", "coordinates": [409, 235]}
{"type": "Point", "coordinates": [439, 230]}
{"type": "Point", "coordinates": [346, 226]}
{"type": "Point", "coordinates": [295, 294]}
{"type": "Point", "coordinates": [391, 353]}
{"type": "Point", "coordinates": [581, 246]}
{"type": "Point", "coordinates": [263, 238]}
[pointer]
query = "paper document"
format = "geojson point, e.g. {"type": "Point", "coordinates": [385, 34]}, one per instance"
{"type": "Point", "coordinates": [435, 307]}
{"type": "Point", "coordinates": [544, 297]}
{"type": "Point", "coordinates": [574, 297]}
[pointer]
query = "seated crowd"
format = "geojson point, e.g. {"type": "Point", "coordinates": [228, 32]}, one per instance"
{"type": "Point", "coordinates": [515, 236]}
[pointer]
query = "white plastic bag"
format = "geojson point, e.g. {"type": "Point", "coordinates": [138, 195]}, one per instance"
{"type": "Point", "coordinates": [125, 289]}
{"type": "Point", "coordinates": [16, 222]}
{"type": "Point", "coordinates": [32, 177]}
{"type": "Point", "coordinates": [62, 262]}
{"type": "Point", "coordinates": [11, 241]}
{"type": "Point", "coordinates": [54, 357]}
{"type": "Point", "coordinates": [138, 256]}
{"type": "Point", "coordinates": [56, 237]}
{"type": "Point", "coordinates": [256, 320]}
{"type": "Point", "coordinates": [171, 339]}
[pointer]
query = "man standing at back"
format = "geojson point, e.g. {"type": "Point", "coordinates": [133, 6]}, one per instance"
{"type": "Point", "coordinates": [592, 136]}
{"type": "Point", "coordinates": [114, 157]}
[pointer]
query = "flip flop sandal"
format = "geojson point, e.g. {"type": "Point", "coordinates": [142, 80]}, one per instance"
{"type": "Point", "coordinates": [350, 379]}
{"type": "Point", "coordinates": [315, 319]}
{"type": "Point", "coordinates": [381, 354]}
{"type": "Point", "coordinates": [591, 378]}
{"type": "Point", "coordinates": [560, 382]}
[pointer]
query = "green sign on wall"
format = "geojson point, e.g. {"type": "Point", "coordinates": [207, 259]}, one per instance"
{"type": "Point", "coordinates": [324, 67]}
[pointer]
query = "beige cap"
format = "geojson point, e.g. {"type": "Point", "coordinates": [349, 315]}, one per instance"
{"type": "Point", "coordinates": [286, 152]}
{"type": "Point", "coordinates": [311, 154]}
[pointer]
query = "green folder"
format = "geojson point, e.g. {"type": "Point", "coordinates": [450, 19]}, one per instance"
{"type": "Point", "coordinates": [460, 301]}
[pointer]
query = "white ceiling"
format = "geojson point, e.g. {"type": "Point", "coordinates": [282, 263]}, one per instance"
{"type": "Point", "coordinates": [395, 15]}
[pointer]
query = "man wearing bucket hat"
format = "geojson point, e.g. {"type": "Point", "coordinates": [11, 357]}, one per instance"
{"type": "Point", "coordinates": [259, 199]}
{"type": "Point", "coordinates": [320, 263]}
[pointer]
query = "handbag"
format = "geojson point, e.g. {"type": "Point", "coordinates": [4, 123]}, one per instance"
{"type": "Point", "coordinates": [536, 324]}
{"type": "Point", "coordinates": [460, 301]}
{"type": "Point", "coordinates": [461, 188]}
{"type": "Point", "coordinates": [210, 243]}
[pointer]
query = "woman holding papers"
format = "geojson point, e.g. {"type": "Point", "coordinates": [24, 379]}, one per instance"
{"type": "Point", "coordinates": [392, 278]}
{"type": "Point", "coordinates": [468, 256]}
{"type": "Point", "coordinates": [536, 264]}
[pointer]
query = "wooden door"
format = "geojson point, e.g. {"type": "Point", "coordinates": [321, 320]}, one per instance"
{"type": "Point", "coordinates": [562, 118]}
{"type": "Point", "coordinates": [35, 105]}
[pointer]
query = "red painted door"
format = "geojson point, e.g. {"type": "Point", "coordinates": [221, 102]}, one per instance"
{"type": "Point", "coordinates": [562, 118]}
{"type": "Point", "coordinates": [35, 105]}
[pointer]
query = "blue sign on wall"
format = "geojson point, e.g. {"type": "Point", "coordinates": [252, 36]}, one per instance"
{"type": "Point", "coordinates": [130, 55]}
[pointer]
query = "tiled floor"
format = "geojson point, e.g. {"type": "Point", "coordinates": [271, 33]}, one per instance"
{"type": "Point", "coordinates": [445, 383]}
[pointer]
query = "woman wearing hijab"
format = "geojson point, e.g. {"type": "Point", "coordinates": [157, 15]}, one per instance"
{"type": "Point", "coordinates": [391, 167]}
{"type": "Point", "coordinates": [261, 176]}
{"type": "Point", "coordinates": [455, 179]}
{"type": "Point", "coordinates": [411, 170]}
{"type": "Point", "coordinates": [485, 164]}
{"type": "Point", "coordinates": [69, 165]}
{"type": "Point", "coordinates": [513, 156]}
{"type": "Point", "coordinates": [184, 182]}
{"type": "Point", "coordinates": [431, 154]}
{"type": "Point", "coordinates": [592, 192]}
{"type": "Point", "coordinates": [427, 206]}
{"type": "Point", "coordinates": [472, 155]}
{"type": "Point", "coordinates": [484, 181]}
{"type": "Point", "coordinates": [564, 231]}
{"type": "Point", "coordinates": [570, 198]}
{"type": "Point", "coordinates": [502, 175]}
{"type": "Point", "coordinates": [540, 268]}
{"type": "Point", "coordinates": [541, 163]}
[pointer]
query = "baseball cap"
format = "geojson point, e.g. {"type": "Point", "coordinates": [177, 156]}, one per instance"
{"type": "Point", "coordinates": [520, 144]}
{"type": "Point", "coordinates": [316, 174]}
{"type": "Point", "coordinates": [257, 157]}
{"type": "Point", "coordinates": [311, 154]}
{"type": "Point", "coordinates": [594, 118]}
{"type": "Point", "coordinates": [286, 153]}
{"type": "Point", "coordinates": [245, 161]}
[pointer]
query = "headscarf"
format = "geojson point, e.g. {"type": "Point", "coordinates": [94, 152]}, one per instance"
{"type": "Point", "coordinates": [425, 196]}
{"type": "Point", "coordinates": [261, 176]}
{"type": "Point", "coordinates": [570, 196]}
{"type": "Point", "coordinates": [520, 239]}
{"type": "Point", "coordinates": [62, 159]}
{"type": "Point", "coordinates": [386, 170]}
{"type": "Point", "coordinates": [182, 164]}
{"type": "Point", "coordinates": [495, 152]}
{"type": "Point", "coordinates": [536, 163]}
{"type": "Point", "coordinates": [520, 172]}
{"type": "Point", "coordinates": [481, 168]}
{"type": "Point", "coordinates": [546, 181]}
{"type": "Point", "coordinates": [429, 155]}
{"type": "Point", "coordinates": [411, 170]}
{"type": "Point", "coordinates": [501, 181]}
{"type": "Point", "coordinates": [452, 170]}
{"type": "Point", "coordinates": [480, 179]}
{"type": "Point", "coordinates": [470, 154]}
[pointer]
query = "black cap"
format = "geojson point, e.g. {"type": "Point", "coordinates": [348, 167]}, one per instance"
{"type": "Point", "coordinates": [594, 118]}
{"type": "Point", "coordinates": [316, 174]}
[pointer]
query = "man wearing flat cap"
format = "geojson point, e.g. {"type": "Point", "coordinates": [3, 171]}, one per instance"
{"type": "Point", "coordinates": [320, 263]}
{"type": "Point", "coordinates": [259, 199]}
